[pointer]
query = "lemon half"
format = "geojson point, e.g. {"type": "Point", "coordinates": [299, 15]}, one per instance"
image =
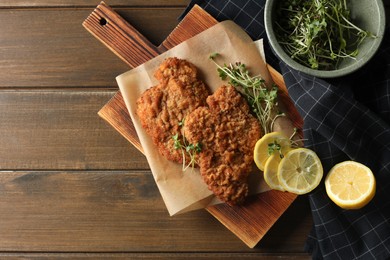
{"type": "Point", "coordinates": [351, 185]}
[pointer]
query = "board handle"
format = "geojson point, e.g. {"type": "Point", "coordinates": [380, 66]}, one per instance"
{"type": "Point", "coordinates": [119, 36]}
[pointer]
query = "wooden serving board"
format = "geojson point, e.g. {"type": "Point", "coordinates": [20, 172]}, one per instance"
{"type": "Point", "coordinates": [251, 221]}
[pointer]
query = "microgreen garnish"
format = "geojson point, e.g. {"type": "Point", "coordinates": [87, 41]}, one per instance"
{"type": "Point", "coordinates": [277, 147]}
{"type": "Point", "coordinates": [274, 147]}
{"type": "Point", "coordinates": [262, 99]}
{"type": "Point", "coordinates": [181, 123]}
{"type": "Point", "coordinates": [318, 33]}
{"type": "Point", "coordinates": [190, 149]}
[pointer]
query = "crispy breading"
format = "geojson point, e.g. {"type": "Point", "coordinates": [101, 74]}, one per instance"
{"type": "Point", "coordinates": [179, 69]}
{"type": "Point", "coordinates": [227, 133]}
{"type": "Point", "coordinates": [162, 108]}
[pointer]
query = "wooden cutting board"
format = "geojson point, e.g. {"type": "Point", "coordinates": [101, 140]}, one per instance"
{"type": "Point", "coordinates": [251, 221]}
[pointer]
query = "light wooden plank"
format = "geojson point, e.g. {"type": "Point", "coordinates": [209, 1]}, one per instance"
{"type": "Point", "coordinates": [50, 129]}
{"type": "Point", "coordinates": [122, 211]}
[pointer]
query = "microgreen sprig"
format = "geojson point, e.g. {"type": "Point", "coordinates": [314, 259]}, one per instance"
{"type": "Point", "coordinates": [276, 147]}
{"type": "Point", "coordinates": [262, 100]}
{"type": "Point", "coordinates": [186, 148]}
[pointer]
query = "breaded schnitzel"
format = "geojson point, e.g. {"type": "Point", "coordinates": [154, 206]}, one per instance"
{"type": "Point", "coordinates": [162, 108]}
{"type": "Point", "coordinates": [221, 123]}
{"type": "Point", "coordinates": [228, 133]}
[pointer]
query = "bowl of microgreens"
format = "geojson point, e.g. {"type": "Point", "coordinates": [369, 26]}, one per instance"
{"type": "Point", "coordinates": [325, 38]}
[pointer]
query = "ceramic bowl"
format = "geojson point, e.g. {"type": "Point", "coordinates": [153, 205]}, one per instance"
{"type": "Point", "coordinates": [367, 14]}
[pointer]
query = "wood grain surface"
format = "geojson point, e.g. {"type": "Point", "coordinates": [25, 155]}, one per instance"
{"type": "Point", "coordinates": [53, 130]}
{"type": "Point", "coordinates": [70, 185]}
{"type": "Point", "coordinates": [120, 211]}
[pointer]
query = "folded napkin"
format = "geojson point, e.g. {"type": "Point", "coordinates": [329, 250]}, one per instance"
{"type": "Point", "coordinates": [344, 119]}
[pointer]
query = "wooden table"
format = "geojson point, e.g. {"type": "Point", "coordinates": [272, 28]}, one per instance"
{"type": "Point", "coordinates": [70, 185]}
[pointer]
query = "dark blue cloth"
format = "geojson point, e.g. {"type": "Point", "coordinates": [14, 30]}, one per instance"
{"type": "Point", "coordinates": [344, 119]}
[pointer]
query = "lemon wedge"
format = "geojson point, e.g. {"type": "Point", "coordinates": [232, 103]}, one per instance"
{"type": "Point", "coordinates": [351, 185]}
{"type": "Point", "coordinates": [300, 171]}
{"type": "Point", "coordinates": [261, 154]}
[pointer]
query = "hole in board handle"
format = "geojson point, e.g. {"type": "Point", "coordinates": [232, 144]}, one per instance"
{"type": "Point", "coordinates": [103, 21]}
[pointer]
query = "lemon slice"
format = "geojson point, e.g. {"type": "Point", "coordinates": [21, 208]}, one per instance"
{"type": "Point", "coordinates": [260, 154]}
{"type": "Point", "coordinates": [351, 185]}
{"type": "Point", "coordinates": [271, 172]}
{"type": "Point", "coordinates": [300, 171]}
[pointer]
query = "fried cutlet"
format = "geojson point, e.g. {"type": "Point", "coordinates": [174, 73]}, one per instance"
{"type": "Point", "coordinates": [228, 133]}
{"type": "Point", "coordinates": [162, 108]}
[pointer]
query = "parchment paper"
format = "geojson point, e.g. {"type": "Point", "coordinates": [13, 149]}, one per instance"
{"type": "Point", "coordinates": [186, 191]}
